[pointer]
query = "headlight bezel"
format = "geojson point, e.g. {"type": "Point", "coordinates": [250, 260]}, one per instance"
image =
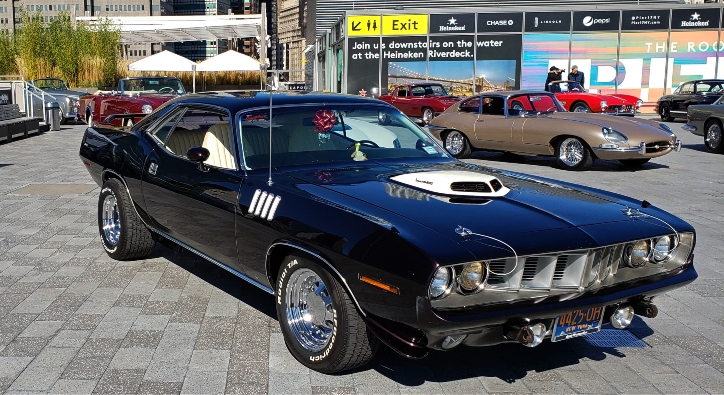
{"type": "Point", "coordinates": [633, 260]}
{"type": "Point", "coordinates": [639, 103]}
{"type": "Point", "coordinates": [476, 286]}
{"type": "Point", "coordinates": [662, 256]}
{"type": "Point", "coordinates": [613, 136]}
{"type": "Point", "coordinates": [448, 286]}
{"type": "Point", "coordinates": [147, 109]}
{"type": "Point", "coordinates": [604, 104]}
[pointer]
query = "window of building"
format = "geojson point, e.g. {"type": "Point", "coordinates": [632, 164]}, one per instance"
{"type": "Point", "coordinates": [144, 52]}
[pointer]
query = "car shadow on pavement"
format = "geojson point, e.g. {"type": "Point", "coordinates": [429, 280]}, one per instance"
{"type": "Point", "coordinates": [549, 161]}
{"type": "Point", "coordinates": [695, 147]}
{"type": "Point", "coordinates": [219, 278]}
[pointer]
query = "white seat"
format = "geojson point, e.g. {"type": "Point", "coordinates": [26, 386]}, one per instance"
{"type": "Point", "coordinates": [181, 140]}
{"type": "Point", "coordinates": [218, 141]}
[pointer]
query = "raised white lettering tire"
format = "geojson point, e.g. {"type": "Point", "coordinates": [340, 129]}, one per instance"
{"type": "Point", "coordinates": [321, 326]}
{"type": "Point", "coordinates": [123, 234]}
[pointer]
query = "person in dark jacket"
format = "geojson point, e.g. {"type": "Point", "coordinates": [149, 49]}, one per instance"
{"type": "Point", "coordinates": [554, 74]}
{"type": "Point", "coordinates": [578, 79]}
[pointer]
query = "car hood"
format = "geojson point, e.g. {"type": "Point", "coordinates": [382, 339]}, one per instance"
{"type": "Point", "coordinates": [622, 124]}
{"type": "Point", "coordinates": [535, 215]}
{"type": "Point", "coordinates": [65, 93]}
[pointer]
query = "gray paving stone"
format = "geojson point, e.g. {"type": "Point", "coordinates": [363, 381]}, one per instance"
{"type": "Point", "coordinates": [70, 338]}
{"type": "Point", "coordinates": [41, 329]}
{"type": "Point", "coordinates": [207, 382]}
{"type": "Point", "coordinates": [116, 381]}
{"type": "Point", "coordinates": [11, 367]}
{"type": "Point", "coordinates": [131, 358]}
{"type": "Point", "coordinates": [289, 383]}
{"type": "Point", "coordinates": [66, 386]}
{"type": "Point", "coordinates": [159, 388]}
{"type": "Point", "coordinates": [142, 339]}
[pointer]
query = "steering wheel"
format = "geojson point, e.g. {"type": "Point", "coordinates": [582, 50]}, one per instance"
{"type": "Point", "coordinates": [167, 89]}
{"type": "Point", "coordinates": [368, 143]}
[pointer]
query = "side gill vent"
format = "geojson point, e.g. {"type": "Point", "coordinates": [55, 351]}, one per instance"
{"type": "Point", "coordinates": [477, 187]}
{"type": "Point", "coordinates": [264, 205]}
{"type": "Point", "coordinates": [496, 184]}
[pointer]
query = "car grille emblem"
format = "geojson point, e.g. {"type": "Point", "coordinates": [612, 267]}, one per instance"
{"type": "Point", "coordinates": [264, 205]}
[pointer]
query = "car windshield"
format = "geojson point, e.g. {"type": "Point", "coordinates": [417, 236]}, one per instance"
{"type": "Point", "coordinates": [152, 85]}
{"type": "Point", "coordinates": [318, 134]}
{"type": "Point", "coordinates": [533, 103]}
{"type": "Point", "coordinates": [51, 83]}
{"type": "Point", "coordinates": [429, 90]}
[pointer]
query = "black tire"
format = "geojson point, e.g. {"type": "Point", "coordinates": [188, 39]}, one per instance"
{"type": "Point", "coordinates": [346, 345]}
{"type": "Point", "coordinates": [634, 162]}
{"type": "Point", "coordinates": [573, 153]}
{"type": "Point", "coordinates": [427, 115]}
{"type": "Point", "coordinates": [665, 113]}
{"type": "Point", "coordinates": [713, 137]}
{"type": "Point", "coordinates": [131, 239]}
{"type": "Point", "coordinates": [580, 107]}
{"type": "Point", "coordinates": [457, 144]}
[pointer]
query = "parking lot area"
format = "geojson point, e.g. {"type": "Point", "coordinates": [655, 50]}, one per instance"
{"type": "Point", "coordinates": [72, 320]}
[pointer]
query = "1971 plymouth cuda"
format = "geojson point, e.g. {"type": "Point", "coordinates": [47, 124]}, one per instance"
{"type": "Point", "coordinates": [362, 241]}
{"type": "Point", "coordinates": [133, 99]}
{"type": "Point", "coordinates": [535, 123]}
{"type": "Point", "coordinates": [586, 101]}
{"type": "Point", "coordinates": [56, 90]}
{"type": "Point", "coordinates": [706, 120]}
{"type": "Point", "coordinates": [422, 100]}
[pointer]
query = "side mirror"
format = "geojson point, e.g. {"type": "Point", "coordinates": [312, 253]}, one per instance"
{"type": "Point", "coordinates": [197, 154]}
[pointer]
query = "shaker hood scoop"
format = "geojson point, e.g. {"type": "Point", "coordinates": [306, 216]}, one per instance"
{"type": "Point", "coordinates": [454, 182]}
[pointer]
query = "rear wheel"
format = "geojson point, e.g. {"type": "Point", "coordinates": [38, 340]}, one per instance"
{"type": "Point", "coordinates": [580, 107]}
{"type": "Point", "coordinates": [457, 144]}
{"type": "Point", "coordinates": [321, 326]}
{"type": "Point", "coordinates": [665, 113]}
{"type": "Point", "coordinates": [573, 154]}
{"type": "Point", "coordinates": [634, 162]}
{"type": "Point", "coordinates": [123, 234]}
{"type": "Point", "coordinates": [713, 137]}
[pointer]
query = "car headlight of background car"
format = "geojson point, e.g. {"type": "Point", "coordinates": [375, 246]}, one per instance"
{"type": "Point", "coordinates": [613, 136]}
{"type": "Point", "coordinates": [604, 104]}
{"type": "Point", "coordinates": [567, 274]}
{"type": "Point", "coordinates": [147, 109]}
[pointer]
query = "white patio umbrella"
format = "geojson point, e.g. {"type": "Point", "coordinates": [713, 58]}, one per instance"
{"type": "Point", "coordinates": [230, 61]}
{"type": "Point", "coordinates": [165, 61]}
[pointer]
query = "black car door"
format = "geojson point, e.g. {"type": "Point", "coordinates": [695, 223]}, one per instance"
{"type": "Point", "coordinates": [195, 204]}
{"type": "Point", "coordinates": [681, 97]}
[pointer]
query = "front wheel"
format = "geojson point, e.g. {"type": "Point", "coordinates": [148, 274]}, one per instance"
{"type": "Point", "coordinates": [123, 234]}
{"type": "Point", "coordinates": [321, 326]}
{"type": "Point", "coordinates": [713, 137]}
{"type": "Point", "coordinates": [427, 115]}
{"type": "Point", "coordinates": [457, 144]}
{"type": "Point", "coordinates": [665, 113]}
{"type": "Point", "coordinates": [580, 107]}
{"type": "Point", "coordinates": [573, 154]}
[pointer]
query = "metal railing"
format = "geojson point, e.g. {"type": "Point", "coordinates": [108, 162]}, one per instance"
{"type": "Point", "coordinates": [28, 93]}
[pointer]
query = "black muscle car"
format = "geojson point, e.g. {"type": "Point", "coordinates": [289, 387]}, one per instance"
{"type": "Point", "coordinates": [366, 231]}
{"type": "Point", "coordinates": [706, 120]}
{"type": "Point", "coordinates": [674, 105]}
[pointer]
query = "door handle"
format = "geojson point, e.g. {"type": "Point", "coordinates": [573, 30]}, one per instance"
{"type": "Point", "coordinates": [152, 168]}
{"type": "Point", "coordinates": [480, 120]}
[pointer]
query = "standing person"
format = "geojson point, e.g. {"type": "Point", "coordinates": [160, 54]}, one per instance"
{"type": "Point", "coordinates": [554, 74]}
{"type": "Point", "coordinates": [578, 78]}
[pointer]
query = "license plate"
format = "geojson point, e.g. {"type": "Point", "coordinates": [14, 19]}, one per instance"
{"type": "Point", "coordinates": [577, 323]}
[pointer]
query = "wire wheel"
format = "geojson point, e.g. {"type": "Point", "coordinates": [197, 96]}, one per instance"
{"type": "Point", "coordinates": [571, 152]}
{"type": "Point", "coordinates": [111, 220]}
{"type": "Point", "coordinates": [309, 310]}
{"type": "Point", "coordinates": [427, 115]}
{"type": "Point", "coordinates": [713, 137]}
{"type": "Point", "coordinates": [457, 144]}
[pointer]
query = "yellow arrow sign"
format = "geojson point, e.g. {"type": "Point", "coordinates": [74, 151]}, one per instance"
{"type": "Point", "coordinates": [404, 24]}
{"type": "Point", "coordinates": [363, 25]}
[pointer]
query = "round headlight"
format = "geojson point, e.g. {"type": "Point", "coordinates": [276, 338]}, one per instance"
{"type": "Point", "coordinates": [614, 136]}
{"type": "Point", "coordinates": [147, 109]}
{"type": "Point", "coordinates": [604, 104]}
{"type": "Point", "coordinates": [637, 254]}
{"type": "Point", "coordinates": [639, 103]}
{"type": "Point", "coordinates": [440, 285]}
{"type": "Point", "coordinates": [663, 247]}
{"type": "Point", "coordinates": [472, 276]}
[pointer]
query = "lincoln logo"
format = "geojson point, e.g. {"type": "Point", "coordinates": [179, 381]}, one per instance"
{"type": "Point", "coordinates": [423, 181]}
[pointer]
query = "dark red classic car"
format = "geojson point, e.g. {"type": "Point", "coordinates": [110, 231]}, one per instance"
{"type": "Point", "coordinates": [423, 100]}
{"type": "Point", "coordinates": [585, 101]}
{"type": "Point", "coordinates": [130, 101]}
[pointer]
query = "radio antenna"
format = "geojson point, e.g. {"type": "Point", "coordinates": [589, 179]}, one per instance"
{"type": "Point", "coordinates": [270, 182]}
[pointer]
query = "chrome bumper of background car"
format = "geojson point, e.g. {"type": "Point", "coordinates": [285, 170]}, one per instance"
{"type": "Point", "coordinates": [689, 128]}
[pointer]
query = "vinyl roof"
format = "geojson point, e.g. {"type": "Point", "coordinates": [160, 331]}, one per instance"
{"type": "Point", "coordinates": [157, 29]}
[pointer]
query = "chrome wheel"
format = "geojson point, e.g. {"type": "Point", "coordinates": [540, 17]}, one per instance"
{"type": "Point", "coordinates": [427, 115]}
{"type": "Point", "coordinates": [111, 220]}
{"type": "Point", "coordinates": [309, 310]}
{"type": "Point", "coordinates": [713, 137]}
{"type": "Point", "coordinates": [571, 152]}
{"type": "Point", "coordinates": [454, 142]}
{"type": "Point", "coordinates": [580, 108]}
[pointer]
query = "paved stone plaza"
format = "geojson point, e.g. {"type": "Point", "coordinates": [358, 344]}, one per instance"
{"type": "Point", "coordinates": [74, 321]}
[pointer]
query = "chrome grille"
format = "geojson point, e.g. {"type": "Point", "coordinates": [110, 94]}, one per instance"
{"type": "Point", "coordinates": [658, 146]}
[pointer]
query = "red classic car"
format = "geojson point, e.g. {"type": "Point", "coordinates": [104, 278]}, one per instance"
{"type": "Point", "coordinates": [133, 96]}
{"type": "Point", "coordinates": [423, 100]}
{"type": "Point", "coordinates": [583, 101]}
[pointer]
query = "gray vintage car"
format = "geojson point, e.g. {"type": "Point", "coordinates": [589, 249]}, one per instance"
{"type": "Point", "coordinates": [706, 120]}
{"type": "Point", "coordinates": [55, 89]}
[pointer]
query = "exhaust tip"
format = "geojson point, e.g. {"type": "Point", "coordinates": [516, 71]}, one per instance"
{"type": "Point", "coordinates": [527, 335]}
{"type": "Point", "coordinates": [622, 317]}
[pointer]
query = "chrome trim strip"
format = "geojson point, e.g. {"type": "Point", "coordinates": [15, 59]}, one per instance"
{"type": "Point", "coordinates": [637, 149]}
{"type": "Point", "coordinates": [215, 262]}
{"type": "Point", "coordinates": [314, 254]}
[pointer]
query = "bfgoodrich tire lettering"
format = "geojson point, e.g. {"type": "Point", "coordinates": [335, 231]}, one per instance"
{"type": "Point", "coordinates": [321, 326]}
{"type": "Point", "coordinates": [123, 234]}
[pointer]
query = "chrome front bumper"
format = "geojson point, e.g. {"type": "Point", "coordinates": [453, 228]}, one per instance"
{"type": "Point", "coordinates": [641, 149]}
